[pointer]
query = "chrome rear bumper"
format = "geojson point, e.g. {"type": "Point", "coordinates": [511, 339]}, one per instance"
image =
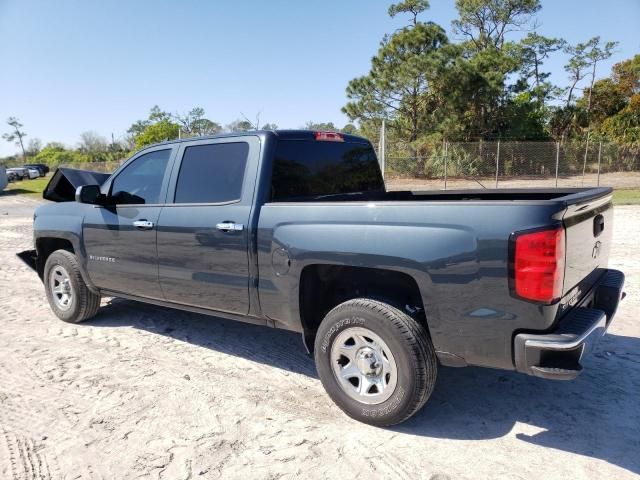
{"type": "Point", "coordinates": [557, 355]}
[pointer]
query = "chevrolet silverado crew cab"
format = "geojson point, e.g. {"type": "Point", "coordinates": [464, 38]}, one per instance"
{"type": "Point", "coordinates": [295, 230]}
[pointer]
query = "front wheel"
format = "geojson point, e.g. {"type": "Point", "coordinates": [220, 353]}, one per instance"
{"type": "Point", "coordinates": [68, 295]}
{"type": "Point", "coordinates": [375, 361]}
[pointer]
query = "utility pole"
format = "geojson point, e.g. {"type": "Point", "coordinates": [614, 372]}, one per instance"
{"type": "Point", "coordinates": [599, 159]}
{"type": "Point", "coordinates": [586, 153]}
{"type": "Point", "coordinates": [557, 161]}
{"type": "Point", "coordinates": [383, 147]}
{"type": "Point", "coordinates": [446, 150]}
{"type": "Point", "coordinates": [497, 163]}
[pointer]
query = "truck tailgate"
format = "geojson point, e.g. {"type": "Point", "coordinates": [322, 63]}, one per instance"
{"type": "Point", "coordinates": [588, 226]}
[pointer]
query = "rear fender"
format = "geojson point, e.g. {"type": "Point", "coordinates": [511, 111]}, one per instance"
{"type": "Point", "coordinates": [423, 252]}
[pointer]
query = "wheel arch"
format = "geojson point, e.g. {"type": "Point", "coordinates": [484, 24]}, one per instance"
{"type": "Point", "coordinates": [324, 286]}
{"type": "Point", "coordinates": [48, 242]}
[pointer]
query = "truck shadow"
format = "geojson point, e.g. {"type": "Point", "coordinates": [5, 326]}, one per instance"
{"type": "Point", "coordinates": [596, 415]}
{"type": "Point", "coordinates": [278, 348]}
{"type": "Point", "coordinates": [13, 192]}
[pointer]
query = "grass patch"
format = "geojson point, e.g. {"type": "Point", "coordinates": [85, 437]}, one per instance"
{"type": "Point", "coordinates": [32, 188]}
{"type": "Point", "coordinates": [626, 197]}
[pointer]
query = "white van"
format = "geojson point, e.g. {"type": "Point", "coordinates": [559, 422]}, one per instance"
{"type": "Point", "coordinates": [3, 178]}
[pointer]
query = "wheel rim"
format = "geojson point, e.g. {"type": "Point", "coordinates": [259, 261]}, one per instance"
{"type": "Point", "coordinates": [364, 365]}
{"type": "Point", "coordinates": [61, 289]}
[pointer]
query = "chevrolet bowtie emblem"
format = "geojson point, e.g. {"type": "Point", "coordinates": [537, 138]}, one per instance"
{"type": "Point", "coordinates": [596, 250]}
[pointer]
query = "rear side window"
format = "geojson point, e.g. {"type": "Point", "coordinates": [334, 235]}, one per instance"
{"type": "Point", "coordinates": [308, 168]}
{"type": "Point", "coordinates": [212, 173]}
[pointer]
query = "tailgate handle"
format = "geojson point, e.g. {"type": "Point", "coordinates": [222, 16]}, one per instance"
{"type": "Point", "coordinates": [598, 225]}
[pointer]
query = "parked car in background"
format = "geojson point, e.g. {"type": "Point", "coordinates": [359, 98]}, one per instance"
{"type": "Point", "coordinates": [33, 173]}
{"type": "Point", "coordinates": [12, 176]}
{"type": "Point", "coordinates": [44, 169]}
{"type": "Point", "coordinates": [3, 178]}
{"type": "Point", "coordinates": [40, 170]}
{"type": "Point", "coordinates": [20, 172]}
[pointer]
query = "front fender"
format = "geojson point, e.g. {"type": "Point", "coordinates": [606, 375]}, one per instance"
{"type": "Point", "coordinates": [63, 226]}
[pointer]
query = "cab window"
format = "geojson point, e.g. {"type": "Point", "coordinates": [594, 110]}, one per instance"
{"type": "Point", "coordinates": [212, 173]}
{"type": "Point", "coordinates": [311, 169]}
{"type": "Point", "coordinates": [141, 181]}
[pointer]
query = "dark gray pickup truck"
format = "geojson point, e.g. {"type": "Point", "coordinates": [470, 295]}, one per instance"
{"type": "Point", "coordinates": [295, 230]}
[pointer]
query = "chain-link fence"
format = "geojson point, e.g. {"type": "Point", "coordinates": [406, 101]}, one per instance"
{"type": "Point", "coordinates": [509, 164]}
{"type": "Point", "coordinates": [499, 164]}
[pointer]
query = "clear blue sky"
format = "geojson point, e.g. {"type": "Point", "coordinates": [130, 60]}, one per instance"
{"type": "Point", "coordinates": [71, 66]}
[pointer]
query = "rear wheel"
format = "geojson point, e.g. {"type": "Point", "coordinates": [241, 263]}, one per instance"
{"type": "Point", "coordinates": [68, 294]}
{"type": "Point", "coordinates": [375, 361]}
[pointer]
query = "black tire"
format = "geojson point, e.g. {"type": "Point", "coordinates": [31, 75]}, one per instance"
{"type": "Point", "coordinates": [83, 303]}
{"type": "Point", "coordinates": [410, 345]}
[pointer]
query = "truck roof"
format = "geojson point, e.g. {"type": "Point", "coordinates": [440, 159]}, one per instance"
{"type": "Point", "coordinates": [292, 134]}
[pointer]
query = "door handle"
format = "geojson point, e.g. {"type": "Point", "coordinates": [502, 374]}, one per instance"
{"type": "Point", "coordinates": [143, 224]}
{"type": "Point", "coordinates": [230, 227]}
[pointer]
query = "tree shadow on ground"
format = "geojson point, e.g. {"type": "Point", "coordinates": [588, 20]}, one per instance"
{"type": "Point", "coordinates": [596, 415]}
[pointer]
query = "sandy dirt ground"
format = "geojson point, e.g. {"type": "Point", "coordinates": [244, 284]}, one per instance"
{"type": "Point", "coordinates": [146, 392]}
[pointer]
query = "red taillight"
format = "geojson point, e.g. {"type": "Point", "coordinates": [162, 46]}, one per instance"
{"type": "Point", "coordinates": [538, 265]}
{"type": "Point", "coordinates": [329, 137]}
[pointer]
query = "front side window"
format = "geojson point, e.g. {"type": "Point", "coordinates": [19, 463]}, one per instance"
{"type": "Point", "coordinates": [141, 181]}
{"type": "Point", "coordinates": [212, 173]}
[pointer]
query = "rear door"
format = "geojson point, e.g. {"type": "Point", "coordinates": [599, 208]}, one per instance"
{"type": "Point", "coordinates": [120, 239]}
{"type": "Point", "coordinates": [203, 235]}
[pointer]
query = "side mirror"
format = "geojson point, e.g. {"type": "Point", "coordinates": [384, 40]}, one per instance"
{"type": "Point", "coordinates": [89, 194]}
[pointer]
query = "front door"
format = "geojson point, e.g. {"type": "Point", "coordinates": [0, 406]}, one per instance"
{"type": "Point", "coordinates": [120, 239]}
{"type": "Point", "coordinates": [203, 233]}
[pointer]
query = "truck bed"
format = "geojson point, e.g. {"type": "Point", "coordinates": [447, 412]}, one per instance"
{"type": "Point", "coordinates": [456, 244]}
{"type": "Point", "coordinates": [567, 195]}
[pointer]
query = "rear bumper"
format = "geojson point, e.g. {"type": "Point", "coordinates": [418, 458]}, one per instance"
{"type": "Point", "coordinates": [557, 355]}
